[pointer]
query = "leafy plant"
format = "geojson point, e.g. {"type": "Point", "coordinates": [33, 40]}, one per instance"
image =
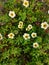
{"type": "Point", "coordinates": [24, 37]}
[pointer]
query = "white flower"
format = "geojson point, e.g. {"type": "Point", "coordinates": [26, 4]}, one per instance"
{"type": "Point", "coordinates": [26, 3]}
{"type": "Point", "coordinates": [35, 45]}
{"type": "Point", "coordinates": [21, 23]}
{"type": "Point", "coordinates": [12, 14]}
{"type": "Point", "coordinates": [34, 35]}
{"type": "Point", "coordinates": [44, 25]}
{"type": "Point", "coordinates": [26, 36]}
{"type": "Point", "coordinates": [27, 29]}
{"type": "Point", "coordinates": [1, 36]}
{"type": "Point", "coordinates": [11, 35]}
{"type": "Point", "coordinates": [48, 11]}
{"type": "Point", "coordinates": [30, 26]}
{"type": "Point", "coordinates": [20, 26]}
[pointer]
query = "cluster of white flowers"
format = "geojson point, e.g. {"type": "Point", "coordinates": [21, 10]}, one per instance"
{"type": "Point", "coordinates": [26, 36]}
{"type": "Point", "coordinates": [12, 13]}
{"type": "Point", "coordinates": [20, 26]}
{"type": "Point", "coordinates": [10, 35]}
{"type": "Point", "coordinates": [29, 27]}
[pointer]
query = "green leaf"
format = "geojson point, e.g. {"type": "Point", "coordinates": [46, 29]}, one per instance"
{"type": "Point", "coordinates": [22, 15]}
{"type": "Point", "coordinates": [6, 54]}
{"type": "Point", "coordinates": [38, 39]}
{"type": "Point", "coordinates": [15, 51]}
{"type": "Point", "coordinates": [34, 19]}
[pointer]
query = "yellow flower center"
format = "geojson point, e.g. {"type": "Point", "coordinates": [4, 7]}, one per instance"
{"type": "Point", "coordinates": [44, 25]}
{"type": "Point", "coordinates": [11, 35]}
{"type": "Point", "coordinates": [26, 3]}
{"type": "Point", "coordinates": [35, 44]}
{"type": "Point", "coordinates": [33, 34]}
{"type": "Point", "coordinates": [29, 26]}
{"type": "Point", "coordinates": [0, 37]}
{"type": "Point", "coordinates": [20, 26]}
{"type": "Point", "coordinates": [26, 36]}
{"type": "Point", "coordinates": [21, 23]}
{"type": "Point", "coordinates": [11, 14]}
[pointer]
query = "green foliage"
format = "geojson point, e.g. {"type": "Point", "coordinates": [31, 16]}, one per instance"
{"type": "Point", "coordinates": [22, 16]}
{"type": "Point", "coordinates": [19, 51]}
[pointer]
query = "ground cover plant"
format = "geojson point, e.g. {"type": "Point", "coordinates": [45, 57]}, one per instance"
{"type": "Point", "coordinates": [24, 32]}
